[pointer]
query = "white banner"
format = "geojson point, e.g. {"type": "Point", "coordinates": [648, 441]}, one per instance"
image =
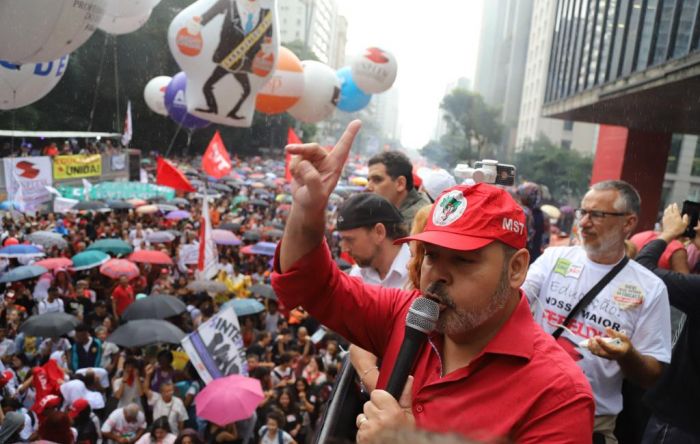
{"type": "Point", "coordinates": [119, 162]}
{"type": "Point", "coordinates": [216, 347]}
{"type": "Point", "coordinates": [26, 179]}
{"type": "Point", "coordinates": [63, 204]}
{"type": "Point", "coordinates": [208, 264]}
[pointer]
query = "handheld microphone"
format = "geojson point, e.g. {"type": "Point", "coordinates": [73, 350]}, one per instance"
{"type": "Point", "coordinates": [420, 321]}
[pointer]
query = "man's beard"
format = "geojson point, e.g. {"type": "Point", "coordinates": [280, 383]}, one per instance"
{"type": "Point", "coordinates": [455, 320]}
{"type": "Point", "coordinates": [607, 243]}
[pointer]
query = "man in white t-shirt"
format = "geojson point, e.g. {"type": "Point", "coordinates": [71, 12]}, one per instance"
{"type": "Point", "coordinates": [124, 425]}
{"type": "Point", "coordinates": [51, 304]}
{"type": "Point", "coordinates": [166, 404]}
{"type": "Point", "coordinates": [632, 308]}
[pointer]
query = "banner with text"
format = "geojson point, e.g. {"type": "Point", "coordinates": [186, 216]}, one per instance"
{"type": "Point", "coordinates": [216, 347]}
{"type": "Point", "coordinates": [26, 179]}
{"type": "Point", "coordinates": [77, 166]}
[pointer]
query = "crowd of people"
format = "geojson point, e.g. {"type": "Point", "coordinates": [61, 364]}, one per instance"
{"type": "Point", "coordinates": [82, 388]}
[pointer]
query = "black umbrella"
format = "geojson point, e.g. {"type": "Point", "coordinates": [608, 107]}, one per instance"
{"type": "Point", "coordinates": [158, 306]}
{"type": "Point", "coordinates": [90, 205]}
{"type": "Point", "coordinates": [230, 226]}
{"type": "Point", "coordinates": [251, 236]}
{"type": "Point", "coordinates": [260, 203]}
{"type": "Point", "coordinates": [119, 205]}
{"type": "Point", "coordinates": [221, 187]}
{"type": "Point", "coordinates": [180, 201]}
{"type": "Point", "coordinates": [274, 234]}
{"type": "Point", "coordinates": [343, 264]}
{"type": "Point", "coordinates": [49, 325]}
{"type": "Point", "coordinates": [142, 332]}
{"type": "Point", "coordinates": [264, 291]}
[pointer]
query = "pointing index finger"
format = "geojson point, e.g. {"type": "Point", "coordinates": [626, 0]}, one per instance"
{"type": "Point", "coordinates": [342, 148]}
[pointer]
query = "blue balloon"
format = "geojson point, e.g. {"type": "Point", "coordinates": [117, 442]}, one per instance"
{"type": "Point", "coordinates": [177, 106]}
{"type": "Point", "coordinates": [352, 98]}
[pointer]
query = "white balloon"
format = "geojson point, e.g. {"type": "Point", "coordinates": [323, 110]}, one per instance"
{"type": "Point", "coordinates": [41, 30]}
{"type": "Point", "coordinates": [123, 25]}
{"type": "Point", "coordinates": [21, 85]}
{"type": "Point", "coordinates": [374, 71]}
{"type": "Point", "coordinates": [154, 94]}
{"type": "Point", "coordinates": [321, 93]}
{"type": "Point", "coordinates": [129, 8]}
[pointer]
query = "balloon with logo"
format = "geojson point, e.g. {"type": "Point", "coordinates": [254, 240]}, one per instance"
{"type": "Point", "coordinates": [44, 30]}
{"type": "Point", "coordinates": [123, 25]}
{"type": "Point", "coordinates": [352, 98]}
{"type": "Point", "coordinates": [22, 85]}
{"type": "Point", "coordinates": [228, 50]}
{"type": "Point", "coordinates": [176, 103]}
{"type": "Point", "coordinates": [154, 94]}
{"type": "Point", "coordinates": [285, 87]}
{"type": "Point", "coordinates": [321, 92]}
{"type": "Point", "coordinates": [374, 71]}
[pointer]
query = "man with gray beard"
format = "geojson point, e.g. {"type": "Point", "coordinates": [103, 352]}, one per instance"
{"type": "Point", "coordinates": [632, 309]}
{"type": "Point", "coordinates": [489, 371]}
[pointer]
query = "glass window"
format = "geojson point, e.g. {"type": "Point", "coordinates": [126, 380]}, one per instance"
{"type": "Point", "coordinates": [695, 170]}
{"type": "Point", "coordinates": [685, 28]}
{"type": "Point", "coordinates": [598, 35]}
{"type": "Point", "coordinates": [674, 153]}
{"type": "Point", "coordinates": [620, 36]}
{"type": "Point", "coordinates": [587, 42]}
{"type": "Point", "coordinates": [633, 29]}
{"type": "Point", "coordinates": [664, 33]}
{"type": "Point", "coordinates": [607, 40]}
{"type": "Point", "coordinates": [647, 34]}
{"type": "Point", "coordinates": [566, 144]}
{"type": "Point", "coordinates": [568, 125]}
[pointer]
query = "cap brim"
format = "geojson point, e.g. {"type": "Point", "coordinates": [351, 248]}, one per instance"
{"type": "Point", "coordinates": [445, 239]}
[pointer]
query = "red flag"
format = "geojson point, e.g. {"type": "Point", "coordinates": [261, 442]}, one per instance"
{"type": "Point", "coordinates": [292, 139]}
{"type": "Point", "coordinates": [167, 174]}
{"type": "Point", "coordinates": [216, 161]}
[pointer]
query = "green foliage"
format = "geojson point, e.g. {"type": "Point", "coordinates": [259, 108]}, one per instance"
{"type": "Point", "coordinates": [300, 50]}
{"type": "Point", "coordinates": [565, 172]}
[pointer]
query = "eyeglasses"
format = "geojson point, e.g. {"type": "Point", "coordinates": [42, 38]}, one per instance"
{"type": "Point", "coordinates": [596, 215]}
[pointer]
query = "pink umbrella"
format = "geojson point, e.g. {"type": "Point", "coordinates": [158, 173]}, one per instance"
{"type": "Point", "coordinates": [224, 237]}
{"type": "Point", "coordinates": [150, 257]}
{"type": "Point", "coordinates": [229, 399]}
{"type": "Point", "coordinates": [116, 268]}
{"type": "Point", "coordinates": [55, 263]}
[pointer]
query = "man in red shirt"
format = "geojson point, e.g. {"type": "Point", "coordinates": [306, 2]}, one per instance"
{"type": "Point", "coordinates": [488, 371]}
{"type": "Point", "coordinates": [122, 297]}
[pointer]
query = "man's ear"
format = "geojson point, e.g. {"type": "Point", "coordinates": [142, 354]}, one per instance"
{"type": "Point", "coordinates": [379, 231]}
{"type": "Point", "coordinates": [400, 184]}
{"type": "Point", "coordinates": [517, 268]}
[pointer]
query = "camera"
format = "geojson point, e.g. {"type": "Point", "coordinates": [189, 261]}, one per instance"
{"type": "Point", "coordinates": [487, 171]}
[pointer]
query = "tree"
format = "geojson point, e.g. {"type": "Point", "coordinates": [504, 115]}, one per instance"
{"type": "Point", "coordinates": [565, 172]}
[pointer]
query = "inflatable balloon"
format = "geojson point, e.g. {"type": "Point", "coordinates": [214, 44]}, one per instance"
{"type": "Point", "coordinates": [43, 30]}
{"type": "Point", "coordinates": [352, 98]}
{"type": "Point", "coordinates": [228, 50]}
{"type": "Point", "coordinates": [285, 87]}
{"type": "Point", "coordinates": [123, 25]}
{"type": "Point", "coordinates": [176, 103]}
{"type": "Point", "coordinates": [321, 92]}
{"type": "Point", "coordinates": [21, 85]}
{"type": "Point", "coordinates": [129, 8]}
{"type": "Point", "coordinates": [375, 71]}
{"type": "Point", "coordinates": [154, 94]}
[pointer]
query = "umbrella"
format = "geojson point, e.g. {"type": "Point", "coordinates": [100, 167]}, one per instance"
{"type": "Point", "coordinates": [261, 248]}
{"type": "Point", "coordinates": [119, 205]}
{"type": "Point", "coordinates": [137, 202]}
{"type": "Point", "coordinates": [55, 263]}
{"type": "Point", "coordinates": [264, 291]}
{"type": "Point", "coordinates": [244, 307]}
{"type": "Point", "coordinates": [551, 211]}
{"type": "Point", "coordinates": [150, 257]}
{"type": "Point", "coordinates": [116, 268]}
{"type": "Point", "coordinates": [283, 198]}
{"type": "Point", "coordinates": [231, 226]}
{"type": "Point", "coordinates": [160, 237]}
{"type": "Point", "coordinates": [158, 306]}
{"type": "Point", "coordinates": [239, 199]}
{"type": "Point", "coordinates": [9, 205]}
{"type": "Point", "coordinates": [112, 246]}
{"type": "Point", "coordinates": [260, 203]}
{"type": "Point", "coordinates": [251, 236]}
{"type": "Point", "coordinates": [343, 264]}
{"type": "Point", "coordinates": [178, 215]}
{"type": "Point", "coordinates": [274, 234]}
{"type": "Point", "coordinates": [147, 209]}
{"type": "Point", "coordinates": [21, 251]}
{"type": "Point", "coordinates": [23, 272]}
{"type": "Point", "coordinates": [142, 332]}
{"type": "Point", "coordinates": [90, 205]}
{"type": "Point", "coordinates": [47, 239]}
{"type": "Point", "coordinates": [180, 201]}
{"type": "Point", "coordinates": [164, 208]}
{"type": "Point", "coordinates": [224, 237]}
{"type": "Point", "coordinates": [229, 399]}
{"type": "Point", "coordinates": [89, 259]}
{"type": "Point", "coordinates": [221, 187]}
{"type": "Point", "coordinates": [207, 286]}
{"type": "Point", "coordinates": [49, 325]}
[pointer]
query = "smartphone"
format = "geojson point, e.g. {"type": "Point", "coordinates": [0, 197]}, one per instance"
{"type": "Point", "coordinates": [692, 209]}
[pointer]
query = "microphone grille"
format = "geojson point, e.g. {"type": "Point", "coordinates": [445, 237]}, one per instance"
{"type": "Point", "coordinates": [423, 315]}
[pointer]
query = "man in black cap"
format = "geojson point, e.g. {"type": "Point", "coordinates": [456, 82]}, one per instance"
{"type": "Point", "coordinates": [368, 225]}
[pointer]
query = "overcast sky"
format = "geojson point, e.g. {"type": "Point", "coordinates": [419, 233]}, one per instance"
{"type": "Point", "coordinates": [435, 42]}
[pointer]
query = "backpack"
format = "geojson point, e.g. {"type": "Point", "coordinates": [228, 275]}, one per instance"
{"type": "Point", "coordinates": [280, 440]}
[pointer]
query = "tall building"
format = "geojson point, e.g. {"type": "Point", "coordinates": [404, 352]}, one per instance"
{"type": "Point", "coordinates": [318, 25]}
{"type": "Point", "coordinates": [578, 136]}
{"type": "Point", "coordinates": [632, 66]}
{"type": "Point", "coordinates": [502, 55]}
{"type": "Point", "coordinates": [440, 124]}
{"type": "Point", "coordinates": [387, 113]}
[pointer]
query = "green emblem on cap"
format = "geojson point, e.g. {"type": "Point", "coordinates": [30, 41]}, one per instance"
{"type": "Point", "coordinates": [449, 208]}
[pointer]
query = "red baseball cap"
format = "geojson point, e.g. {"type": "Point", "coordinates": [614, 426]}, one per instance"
{"type": "Point", "coordinates": [77, 407]}
{"type": "Point", "coordinates": [469, 217]}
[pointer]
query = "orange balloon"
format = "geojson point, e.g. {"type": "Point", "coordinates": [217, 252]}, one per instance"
{"type": "Point", "coordinates": [285, 86]}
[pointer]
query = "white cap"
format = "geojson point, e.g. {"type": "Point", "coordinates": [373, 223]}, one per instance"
{"type": "Point", "coordinates": [437, 181]}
